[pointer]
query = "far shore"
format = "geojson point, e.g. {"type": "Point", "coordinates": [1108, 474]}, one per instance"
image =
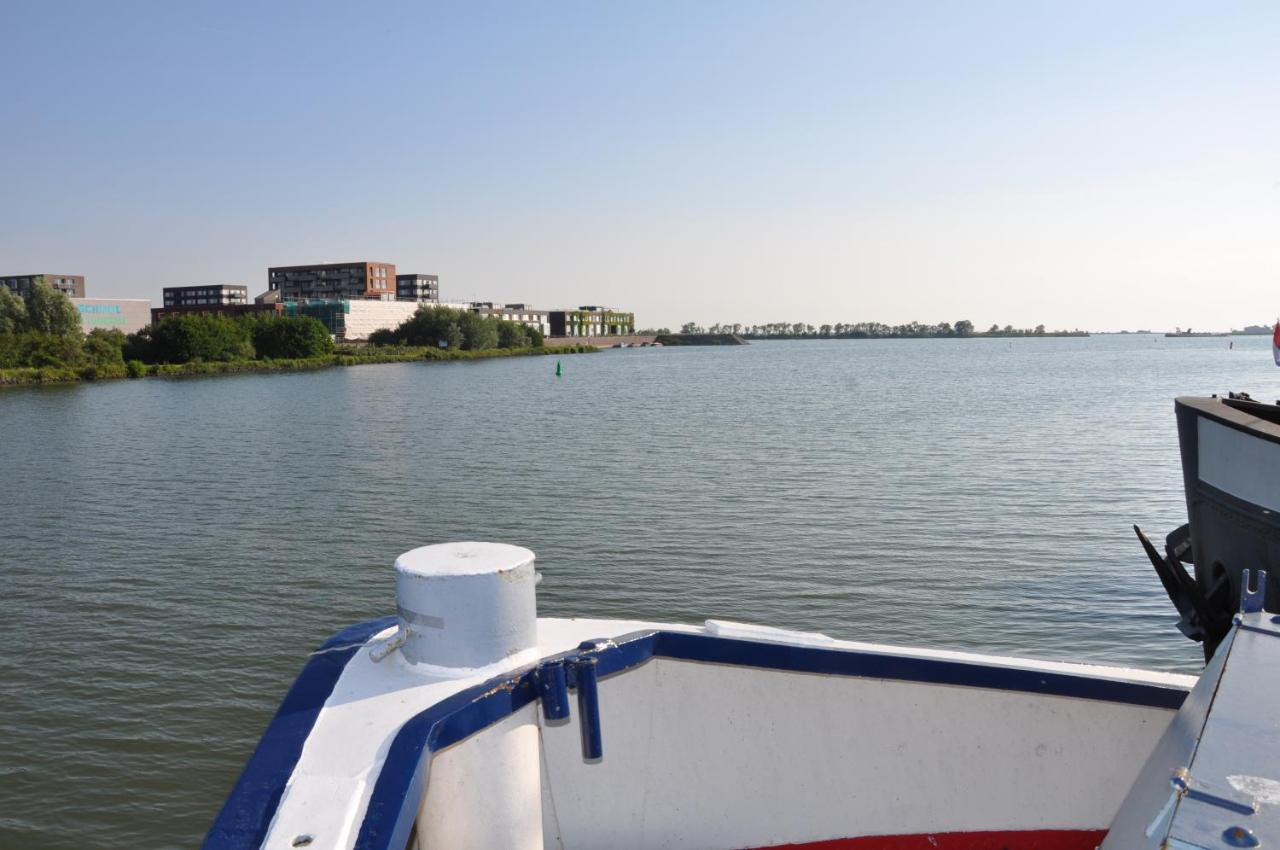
{"type": "Point", "coordinates": [345, 356]}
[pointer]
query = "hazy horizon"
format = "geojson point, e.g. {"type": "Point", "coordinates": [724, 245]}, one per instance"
{"type": "Point", "coordinates": [1084, 166]}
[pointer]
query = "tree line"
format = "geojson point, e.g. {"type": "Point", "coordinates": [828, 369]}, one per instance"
{"type": "Point", "coordinates": [42, 331]}
{"type": "Point", "coordinates": [868, 330]}
{"type": "Point", "coordinates": [445, 327]}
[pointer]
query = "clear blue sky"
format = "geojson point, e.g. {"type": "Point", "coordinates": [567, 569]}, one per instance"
{"type": "Point", "coordinates": [1098, 165]}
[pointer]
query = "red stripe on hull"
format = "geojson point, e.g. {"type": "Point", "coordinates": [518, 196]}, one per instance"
{"type": "Point", "coordinates": [1033, 839]}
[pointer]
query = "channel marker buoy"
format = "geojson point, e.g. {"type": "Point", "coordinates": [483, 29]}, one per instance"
{"type": "Point", "coordinates": [557, 368]}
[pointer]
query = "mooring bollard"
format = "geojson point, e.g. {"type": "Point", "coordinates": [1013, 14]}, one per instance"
{"type": "Point", "coordinates": [463, 606]}
{"type": "Point", "coordinates": [466, 604]}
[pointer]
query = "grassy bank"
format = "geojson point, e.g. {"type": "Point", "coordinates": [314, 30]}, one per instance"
{"type": "Point", "coordinates": [343, 357]}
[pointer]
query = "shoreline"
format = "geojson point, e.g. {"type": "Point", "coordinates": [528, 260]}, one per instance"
{"type": "Point", "coordinates": [33, 376]}
{"type": "Point", "coordinates": [983, 335]}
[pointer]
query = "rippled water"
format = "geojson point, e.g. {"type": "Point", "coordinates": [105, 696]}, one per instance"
{"type": "Point", "coordinates": [171, 550]}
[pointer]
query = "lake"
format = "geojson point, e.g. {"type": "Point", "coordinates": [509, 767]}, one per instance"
{"type": "Point", "coordinates": [171, 550]}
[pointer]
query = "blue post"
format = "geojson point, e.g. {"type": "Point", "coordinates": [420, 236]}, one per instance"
{"type": "Point", "coordinates": [588, 708]}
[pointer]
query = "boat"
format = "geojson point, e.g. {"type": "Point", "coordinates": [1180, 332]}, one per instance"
{"type": "Point", "coordinates": [466, 720]}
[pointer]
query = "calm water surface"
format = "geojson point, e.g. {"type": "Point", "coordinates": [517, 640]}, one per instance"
{"type": "Point", "coordinates": [171, 550]}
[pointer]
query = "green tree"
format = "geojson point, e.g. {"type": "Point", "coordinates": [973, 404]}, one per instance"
{"type": "Point", "coordinates": [39, 350]}
{"type": "Point", "coordinates": [286, 337]}
{"type": "Point", "coordinates": [103, 347]}
{"type": "Point", "coordinates": [430, 326]}
{"type": "Point", "coordinates": [187, 337]}
{"type": "Point", "coordinates": [479, 332]}
{"type": "Point", "coordinates": [51, 312]}
{"type": "Point", "coordinates": [13, 312]}
{"type": "Point", "coordinates": [512, 335]}
{"type": "Point", "coordinates": [451, 336]}
{"type": "Point", "coordinates": [138, 346]}
{"type": "Point", "coordinates": [964, 327]}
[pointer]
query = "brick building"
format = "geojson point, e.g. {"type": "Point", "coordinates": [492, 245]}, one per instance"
{"type": "Point", "coordinates": [71, 285]}
{"type": "Point", "coordinates": [334, 281]}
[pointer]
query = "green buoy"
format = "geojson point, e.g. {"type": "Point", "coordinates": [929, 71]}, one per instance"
{"type": "Point", "coordinates": [557, 368]}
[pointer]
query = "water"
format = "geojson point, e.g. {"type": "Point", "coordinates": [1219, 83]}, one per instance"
{"type": "Point", "coordinates": [171, 550]}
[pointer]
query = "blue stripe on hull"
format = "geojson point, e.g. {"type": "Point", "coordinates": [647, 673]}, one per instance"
{"type": "Point", "coordinates": [244, 818]}
{"type": "Point", "coordinates": [397, 792]}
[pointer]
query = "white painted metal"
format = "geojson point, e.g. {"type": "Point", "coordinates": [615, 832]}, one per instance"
{"type": "Point", "coordinates": [709, 756]}
{"type": "Point", "coordinates": [466, 604]}
{"type": "Point", "coordinates": [1238, 463]}
{"type": "Point", "coordinates": [696, 754]}
{"type": "Point", "coordinates": [683, 740]}
{"type": "Point", "coordinates": [329, 790]}
{"type": "Point", "coordinates": [486, 790]}
{"type": "Point", "coordinates": [752, 631]}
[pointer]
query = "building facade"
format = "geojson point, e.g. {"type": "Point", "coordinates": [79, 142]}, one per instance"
{"type": "Point", "coordinates": [117, 314]}
{"type": "Point", "coordinates": [522, 313]}
{"type": "Point", "coordinates": [422, 288]}
{"type": "Point", "coordinates": [591, 321]}
{"type": "Point", "coordinates": [71, 285]}
{"type": "Point", "coordinates": [334, 281]}
{"type": "Point", "coordinates": [159, 314]}
{"type": "Point", "coordinates": [202, 296]}
{"type": "Point", "coordinates": [353, 320]}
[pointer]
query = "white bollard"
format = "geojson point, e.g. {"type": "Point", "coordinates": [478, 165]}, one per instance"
{"type": "Point", "coordinates": [468, 605]}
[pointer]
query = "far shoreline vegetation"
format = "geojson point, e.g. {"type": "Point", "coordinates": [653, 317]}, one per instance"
{"type": "Point", "coordinates": [41, 343]}
{"type": "Point", "coordinates": [963, 329]}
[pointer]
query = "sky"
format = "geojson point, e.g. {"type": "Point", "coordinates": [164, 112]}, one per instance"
{"type": "Point", "coordinates": [1077, 164]}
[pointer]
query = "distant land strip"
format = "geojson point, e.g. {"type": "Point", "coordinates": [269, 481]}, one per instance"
{"type": "Point", "coordinates": [865, 330]}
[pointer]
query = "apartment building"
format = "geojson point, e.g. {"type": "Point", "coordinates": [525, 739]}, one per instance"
{"type": "Point", "coordinates": [357, 281]}
{"type": "Point", "coordinates": [591, 321]}
{"type": "Point", "coordinates": [525, 314]}
{"type": "Point", "coordinates": [422, 288]}
{"type": "Point", "coordinates": [202, 296]}
{"type": "Point", "coordinates": [71, 285]}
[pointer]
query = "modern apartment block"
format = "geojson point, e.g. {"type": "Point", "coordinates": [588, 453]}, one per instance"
{"type": "Point", "coordinates": [335, 281]}
{"type": "Point", "coordinates": [71, 285]}
{"type": "Point", "coordinates": [202, 296]}
{"type": "Point", "coordinates": [423, 288]}
{"type": "Point", "coordinates": [591, 321]}
{"type": "Point", "coordinates": [522, 313]}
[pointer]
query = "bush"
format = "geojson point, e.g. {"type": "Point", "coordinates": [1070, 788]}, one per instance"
{"type": "Point", "coordinates": [290, 337]}
{"type": "Point", "coordinates": [40, 350]}
{"type": "Point", "coordinates": [135, 369]}
{"type": "Point", "coordinates": [192, 336]}
{"type": "Point", "coordinates": [512, 335]}
{"type": "Point", "coordinates": [458, 330]}
{"type": "Point", "coordinates": [383, 337]}
{"type": "Point", "coordinates": [138, 346]}
{"type": "Point", "coordinates": [104, 347]}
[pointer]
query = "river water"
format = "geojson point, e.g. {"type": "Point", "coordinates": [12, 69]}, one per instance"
{"type": "Point", "coordinates": [172, 549]}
